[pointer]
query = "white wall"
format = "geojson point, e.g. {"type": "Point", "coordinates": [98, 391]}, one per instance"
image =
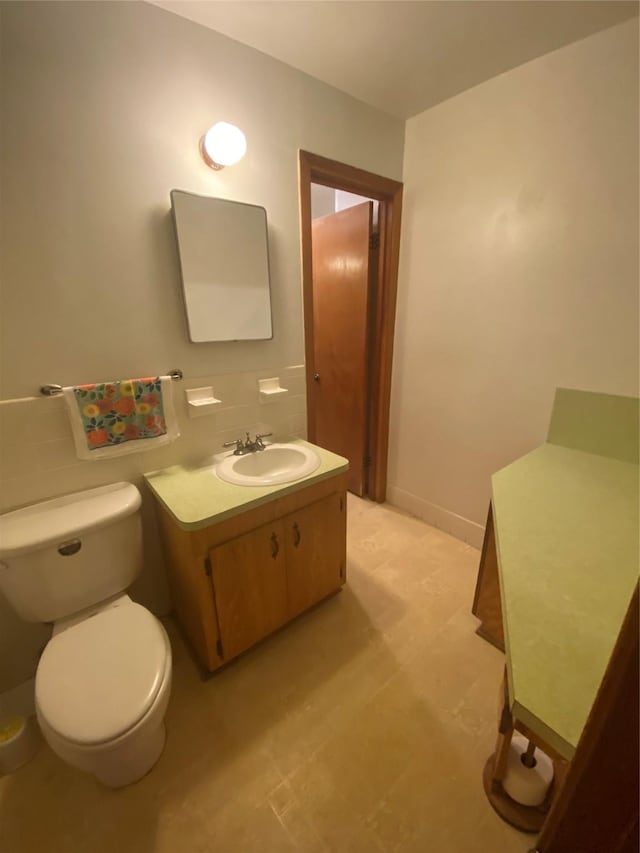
{"type": "Point", "coordinates": [103, 105]}
{"type": "Point", "coordinates": [519, 269]}
{"type": "Point", "coordinates": [323, 200]}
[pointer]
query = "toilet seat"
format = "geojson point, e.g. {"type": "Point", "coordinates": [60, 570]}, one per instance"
{"type": "Point", "coordinates": [98, 678]}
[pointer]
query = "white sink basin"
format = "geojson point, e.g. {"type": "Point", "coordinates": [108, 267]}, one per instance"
{"type": "Point", "coordinates": [277, 463]}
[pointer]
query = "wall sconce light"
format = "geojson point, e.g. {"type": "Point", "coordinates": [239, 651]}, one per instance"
{"type": "Point", "coordinates": [223, 145]}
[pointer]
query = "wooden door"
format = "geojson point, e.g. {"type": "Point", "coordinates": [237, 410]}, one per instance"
{"type": "Point", "coordinates": [315, 545]}
{"type": "Point", "coordinates": [341, 246]}
{"type": "Point", "coordinates": [250, 587]}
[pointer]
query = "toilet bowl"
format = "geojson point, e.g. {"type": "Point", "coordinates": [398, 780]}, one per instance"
{"type": "Point", "coordinates": [104, 679]}
{"type": "Point", "coordinates": [102, 689]}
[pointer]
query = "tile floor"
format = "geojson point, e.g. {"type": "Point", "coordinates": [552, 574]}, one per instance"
{"type": "Point", "coordinates": [362, 727]}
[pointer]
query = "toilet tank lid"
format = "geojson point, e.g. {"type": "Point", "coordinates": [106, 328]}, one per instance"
{"type": "Point", "coordinates": [35, 527]}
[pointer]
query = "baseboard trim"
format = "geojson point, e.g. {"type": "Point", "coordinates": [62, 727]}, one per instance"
{"type": "Point", "coordinates": [458, 526]}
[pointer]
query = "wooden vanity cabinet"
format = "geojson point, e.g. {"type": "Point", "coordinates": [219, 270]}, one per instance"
{"type": "Point", "coordinates": [249, 581]}
{"type": "Point", "coordinates": [239, 580]}
{"type": "Point", "coordinates": [315, 546]}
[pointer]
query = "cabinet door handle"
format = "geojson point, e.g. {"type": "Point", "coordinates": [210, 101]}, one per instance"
{"type": "Point", "coordinates": [275, 545]}
{"type": "Point", "coordinates": [296, 535]}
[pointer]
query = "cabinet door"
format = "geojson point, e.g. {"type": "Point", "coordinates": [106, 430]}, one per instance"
{"type": "Point", "coordinates": [250, 587]}
{"type": "Point", "coordinates": [315, 545]}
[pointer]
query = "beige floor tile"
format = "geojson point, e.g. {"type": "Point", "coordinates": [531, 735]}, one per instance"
{"type": "Point", "coordinates": [236, 829]}
{"type": "Point", "coordinates": [296, 821]}
{"type": "Point", "coordinates": [329, 818]}
{"type": "Point", "coordinates": [362, 727]}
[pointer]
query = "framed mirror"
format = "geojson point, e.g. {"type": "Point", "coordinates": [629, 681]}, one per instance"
{"type": "Point", "coordinates": [224, 265]}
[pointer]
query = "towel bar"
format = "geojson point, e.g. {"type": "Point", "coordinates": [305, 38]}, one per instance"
{"type": "Point", "coordinates": [52, 390]}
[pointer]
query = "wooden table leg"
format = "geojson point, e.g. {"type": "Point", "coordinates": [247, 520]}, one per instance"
{"type": "Point", "coordinates": [500, 758]}
{"type": "Point", "coordinates": [524, 818]}
{"type": "Point", "coordinates": [503, 743]}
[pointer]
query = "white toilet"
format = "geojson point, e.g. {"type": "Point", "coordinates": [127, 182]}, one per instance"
{"type": "Point", "coordinates": [104, 678]}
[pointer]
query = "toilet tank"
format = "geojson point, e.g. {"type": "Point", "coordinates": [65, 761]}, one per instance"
{"type": "Point", "coordinates": [64, 555]}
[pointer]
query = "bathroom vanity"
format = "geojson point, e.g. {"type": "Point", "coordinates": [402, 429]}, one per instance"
{"type": "Point", "coordinates": [245, 560]}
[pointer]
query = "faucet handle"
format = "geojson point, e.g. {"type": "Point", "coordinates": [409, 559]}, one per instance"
{"type": "Point", "coordinates": [237, 443]}
{"type": "Point", "coordinates": [259, 437]}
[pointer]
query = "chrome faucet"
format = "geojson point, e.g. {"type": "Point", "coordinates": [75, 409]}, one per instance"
{"type": "Point", "coordinates": [247, 446]}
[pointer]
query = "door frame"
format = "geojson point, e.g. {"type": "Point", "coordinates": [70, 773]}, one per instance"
{"type": "Point", "coordinates": [312, 168]}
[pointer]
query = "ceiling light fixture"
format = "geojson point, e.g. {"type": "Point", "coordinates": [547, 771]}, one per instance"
{"type": "Point", "coordinates": [223, 145]}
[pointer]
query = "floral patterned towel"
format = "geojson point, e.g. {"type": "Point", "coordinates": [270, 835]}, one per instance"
{"type": "Point", "coordinates": [126, 410]}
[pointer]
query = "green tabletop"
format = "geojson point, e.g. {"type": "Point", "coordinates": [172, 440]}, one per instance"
{"type": "Point", "coordinates": [567, 531]}
{"type": "Point", "coordinates": [196, 497]}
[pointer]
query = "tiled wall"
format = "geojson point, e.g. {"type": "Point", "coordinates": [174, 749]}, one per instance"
{"type": "Point", "coordinates": [37, 455]}
{"type": "Point", "coordinates": [38, 461]}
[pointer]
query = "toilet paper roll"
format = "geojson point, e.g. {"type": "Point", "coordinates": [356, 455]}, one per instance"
{"type": "Point", "coordinates": [527, 785]}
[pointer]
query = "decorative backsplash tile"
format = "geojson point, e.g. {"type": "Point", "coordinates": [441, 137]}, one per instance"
{"type": "Point", "coordinates": [38, 460]}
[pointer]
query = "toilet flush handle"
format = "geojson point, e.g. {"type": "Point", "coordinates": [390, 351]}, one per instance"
{"type": "Point", "coordinates": [70, 548]}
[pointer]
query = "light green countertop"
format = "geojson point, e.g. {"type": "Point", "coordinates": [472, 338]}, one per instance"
{"type": "Point", "coordinates": [196, 497]}
{"type": "Point", "coordinates": [566, 524]}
